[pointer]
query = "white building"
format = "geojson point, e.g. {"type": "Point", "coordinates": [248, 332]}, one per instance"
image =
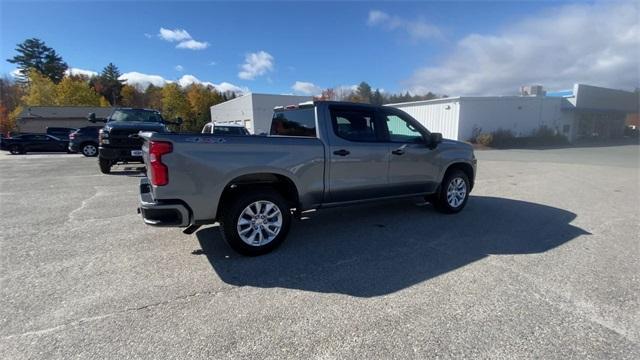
{"type": "Point", "coordinates": [254, 111]}
{"type": "Point", "coordinates": [582, 112]}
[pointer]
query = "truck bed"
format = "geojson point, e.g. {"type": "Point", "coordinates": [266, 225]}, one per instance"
{"type": "Point", "coordinates": [202, 164]}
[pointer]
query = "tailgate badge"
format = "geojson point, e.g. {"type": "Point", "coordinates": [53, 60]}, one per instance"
{"type": "Point", "coordinates": [205, 140]}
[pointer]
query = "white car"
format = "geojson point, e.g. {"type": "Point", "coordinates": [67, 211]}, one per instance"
{"type": "Point", "coordinates": [224, 129]}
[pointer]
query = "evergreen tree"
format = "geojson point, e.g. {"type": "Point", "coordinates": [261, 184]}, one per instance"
{"type": "Point", "coordinates": [363, 92]}
{"type": "Point", "coordinates": [377, 98]}
{"type": "Point", "coordinates": [33, 54]}
{"type": "Point", "coordinates": [108, 85]}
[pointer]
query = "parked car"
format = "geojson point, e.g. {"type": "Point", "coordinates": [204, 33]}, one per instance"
{"type": "Point", "coordinates": [225, 129]}
{"type": "Point", "coordinates": [21, 144]}
{"type": "Point", "coordinates": [253, 185]}
{"type": "Point", "coordinates": [118, 140]}
{"type": "Point", "coordinates": [85, 141]}
{"type": "Point", "coordinates": [60, 132]}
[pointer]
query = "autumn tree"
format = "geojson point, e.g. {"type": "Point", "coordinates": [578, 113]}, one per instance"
{"type": "Point", "coordinates": [153, 97]}
{"type": "Point", "coordinates": [11, 93]}
{"type": "Point", "coordinates": [6, 125]}
{"type": "Point", "coordinates": [33, 54]}
{"type": "Point", "coordinates": [201, 98]}
{"type": "Point", "coordinates": [41, 90]}
{"type": "Point", "coordinates": [75, 91]}
{"type": "Point", "coordinates": [175, 103]}
{"type": "Point", "coordinates": [132, 97]}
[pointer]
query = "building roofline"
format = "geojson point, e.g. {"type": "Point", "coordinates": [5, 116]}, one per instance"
{"type": "Point", "coordinates": [432, 101]}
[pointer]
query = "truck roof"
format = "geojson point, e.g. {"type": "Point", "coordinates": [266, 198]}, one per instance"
{"type": "Point", "coordinates": [307, 104]}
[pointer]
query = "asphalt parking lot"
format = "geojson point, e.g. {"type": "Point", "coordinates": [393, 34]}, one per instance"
{"type": "Point", "coordinates": [543, 263]}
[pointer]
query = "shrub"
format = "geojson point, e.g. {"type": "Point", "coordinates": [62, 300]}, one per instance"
{"type": "Point", "coordinates": [503, 138]}
{"type": "Point", "coordinates": [475, 132]}
{"type": "Point", "coordinates": [485, 139]}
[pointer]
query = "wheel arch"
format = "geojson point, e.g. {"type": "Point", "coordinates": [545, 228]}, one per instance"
{"type": "Point", "coordinates": [462, 166]}
{"type": "Point", "coordinates": [281, 183]}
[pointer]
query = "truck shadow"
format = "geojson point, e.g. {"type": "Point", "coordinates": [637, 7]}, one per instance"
{"type": "Point", "coordinates": [377, 249]}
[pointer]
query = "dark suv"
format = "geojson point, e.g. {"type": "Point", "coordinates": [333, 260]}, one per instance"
{"type": "Point", "coordinates": [60, 132]}
{"type": "Point", "coordinates": [85, 140]}
{"type": "Point", "coordinates": [118, 140]}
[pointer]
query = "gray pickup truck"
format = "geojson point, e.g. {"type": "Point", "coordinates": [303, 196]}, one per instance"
{"type": "Point", "coordinates": [318, 154]}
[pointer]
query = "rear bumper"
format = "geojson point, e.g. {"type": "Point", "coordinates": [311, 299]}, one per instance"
{"type": "Point", "coordinates": [161, 213]}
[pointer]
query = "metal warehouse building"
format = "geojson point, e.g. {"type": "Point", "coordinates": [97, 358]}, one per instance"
{"type": "Point", "coordinates": [585, 111]}
{"type": "Point", "coordinates": [254, 111]}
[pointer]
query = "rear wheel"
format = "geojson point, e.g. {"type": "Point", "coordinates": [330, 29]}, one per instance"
{"type": "Point", "coordinates": [15, 150]}
{"type": "Point", "coordinates": [89, 150]}
{"type": "Point", "coordinates": [105, 165]}
{"type": "Point", "coordinates": [256, 222]}
{"type": "Point", "coordinates": [453, 194]}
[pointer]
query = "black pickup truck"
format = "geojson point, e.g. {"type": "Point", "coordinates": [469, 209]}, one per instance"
{"type": "Point", "coordinates": [118, 140]}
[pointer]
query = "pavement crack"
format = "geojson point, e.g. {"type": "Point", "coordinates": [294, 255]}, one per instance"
{"type": "Point", "coordinates": [89, 319]}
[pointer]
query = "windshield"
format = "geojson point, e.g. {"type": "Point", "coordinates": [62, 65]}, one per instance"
{"type": "Point", "coordinates": [136, 115]}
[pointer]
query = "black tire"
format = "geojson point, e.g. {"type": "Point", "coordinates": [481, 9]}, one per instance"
{"type": "Point", "coordinates": [233, 209]}
{"type": "Point", "coordinates": [86, 148]}
{"type": "Point", "coordinates": [15, 150]}
{"type": "Point", "coordinates": [439, 199]}
{"type": "Point", "coordinates": [105, 165]}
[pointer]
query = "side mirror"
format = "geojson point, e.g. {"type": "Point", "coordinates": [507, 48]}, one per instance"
{"type": "Point", "coordinates": [92, 117]}
{"type": "Point", "coordinates": [434, 140]}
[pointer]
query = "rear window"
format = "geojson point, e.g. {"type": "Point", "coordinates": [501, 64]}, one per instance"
{"type": "Point", "coordinates": [228, 130]}
{"type": "Point", "coordinates": [298, 122]}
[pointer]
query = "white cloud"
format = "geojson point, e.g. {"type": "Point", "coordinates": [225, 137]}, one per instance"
{"type": "Point", "coordinates": [15, 73]}
{"type": "Point", "coordinates": [555, 48]}
{"type": "Point", "coordinates": [193, 45]}
{"type": "Point", "coordinates": [174, 35]}
{"type": "Point", "coordinates": [179, 68]}
{"type": "Point", "coordinates": [306, 88]}
{"type": "Point", "coordinates": [187, 80]}
{"type": "Point", "coordinates": [183, 38]}
{"type": "Point", "coordinates": [213, 63]}
{"type": "Point", "coordinates": [77, 71]}
{"type": "Point", "coordinates": [256, 64]}
{"type": "Point", "coordinates": [416, 29]}
{"type": "Point", "coordinates": [225, 87]}
{"type": "Point", "coordinates": [142, 81]}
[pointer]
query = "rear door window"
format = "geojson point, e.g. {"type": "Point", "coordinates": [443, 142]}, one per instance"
{"type": "Point", "coordinates": [357, 125]}
{"type": "Point", "coordinates": [295, 122]}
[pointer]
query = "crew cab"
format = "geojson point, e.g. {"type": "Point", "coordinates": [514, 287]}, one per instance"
{"type": "Point", "coordinates": [318, 154]}
{"type": "Point", "coordinates": [118, 140]}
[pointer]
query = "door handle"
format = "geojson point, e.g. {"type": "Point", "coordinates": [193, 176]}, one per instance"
{"type": "Point", "coordinates": [398, 152]}
{"type": "Point", "coordinates": [341, 152]}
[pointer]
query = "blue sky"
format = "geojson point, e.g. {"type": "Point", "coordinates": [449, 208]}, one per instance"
{"type": "Point", "coordinates": [285, 47]}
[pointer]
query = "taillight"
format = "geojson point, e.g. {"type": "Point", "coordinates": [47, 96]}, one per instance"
{"type": "Point", "coordinates": [159, 171]}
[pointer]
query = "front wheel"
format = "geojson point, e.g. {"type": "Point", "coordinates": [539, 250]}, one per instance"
{"type": "Point", "coordinates": [453, 194]}
{"type": "Point", "coordinates": [15, 150]}
{"type": "Point", "coordinates": [256, 222]}
{"type": "Point", "coordinates": [105, 165]}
